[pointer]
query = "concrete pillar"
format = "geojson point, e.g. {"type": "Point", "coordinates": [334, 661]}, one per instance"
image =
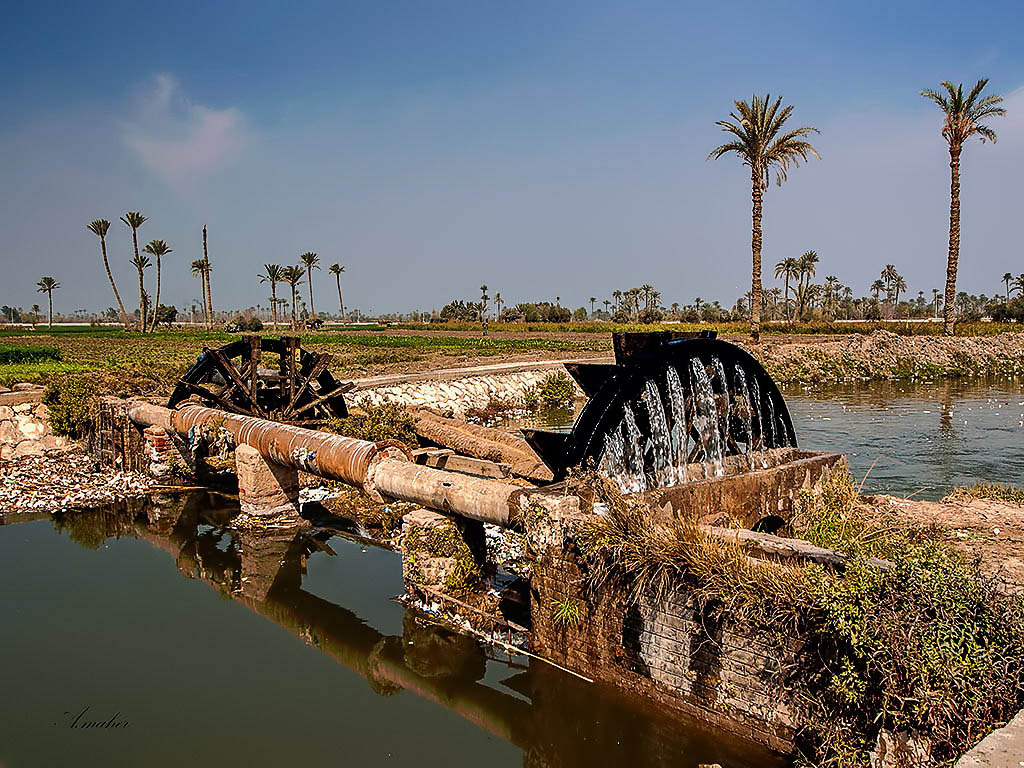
{"type": "Point", "coordinates": [268, 493]}
{"type": "Point", "coordinates": [438, 552]}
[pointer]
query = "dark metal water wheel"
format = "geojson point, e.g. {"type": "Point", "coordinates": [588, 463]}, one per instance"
{"type": "Point", "coordinates": [646, 357]}
{"type": "Point", "coordinates": [243, 377]}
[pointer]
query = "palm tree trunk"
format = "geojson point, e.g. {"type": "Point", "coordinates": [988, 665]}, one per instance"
{"type": "Point", "coordinates": [142, 287]}
{"type": "Point", "coordinates": [954, 238]}
{"type": "Point", "coordinates": [206, 272]}
{"type": "Point", "coordinates": [294, 320]}
{"type": "Point", "coordinates": [273, 302]}
{"type": "Point", "coordinates": [788, 308]}
{"type": "Point", "coordinates": [156, 302]}
{"type": "Point", "coordinates": [755, 247]}
{"type": "Point", "coordinates": [120, 304]}
{"type": "Point", "coordinates": [341, 304]}
{"type": "Point", "coordinates": [312, 309]}
{"type": "Point", "coordinates": [49, 295]}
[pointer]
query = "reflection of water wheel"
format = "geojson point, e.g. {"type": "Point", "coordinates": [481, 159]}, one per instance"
{"type": "Point", "coordinates": [668, 401]}
{"type": "Point", "coordinates": [297, 388]}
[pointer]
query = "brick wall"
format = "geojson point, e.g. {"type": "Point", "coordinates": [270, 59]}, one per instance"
{"type": "Point", "coordinates": [667, 651]}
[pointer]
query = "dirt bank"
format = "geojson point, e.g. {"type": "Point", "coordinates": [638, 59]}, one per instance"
{"type": "Point", "coordinates": [885, 355]}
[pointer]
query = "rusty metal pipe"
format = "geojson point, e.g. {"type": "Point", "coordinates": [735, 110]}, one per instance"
{"type": "Point", "coordinates": [376, 469]}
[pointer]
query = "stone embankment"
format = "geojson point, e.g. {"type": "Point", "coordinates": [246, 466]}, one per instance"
{"type": "Point", "coordinates": [457, 395]}
{"type": "Point", "coordinates": [25, 425]}
{"type": "Point", "coordinates": [886, 355]}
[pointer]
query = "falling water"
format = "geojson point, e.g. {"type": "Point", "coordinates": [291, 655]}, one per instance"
{"type": "Point", "coordinates": [705, 417]}
{"type": "Point", "coordinates": [677, 409]}
{"type": "Point", "coordinates": [723, 418]}
{"type": "Point", "coordinates": [613, 458]}
{"type": "Point", "coordinates": [634, 453]}
{"type": "Point", "coordinates": [660, 443]}
{"type": "Point", "coordinates": [748, 412]}
{"type": "Point", "coordinates": [771, 422]}
{"type": "Point", "coordinates": [756, 392]}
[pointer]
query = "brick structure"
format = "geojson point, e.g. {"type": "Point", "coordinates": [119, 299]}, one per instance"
{"type": "Point", "coordinates": [664, 650]}
{"type": "Point", "coordinates": [267, 492]}
{"type": "Point", "coordinates": [115, 440]}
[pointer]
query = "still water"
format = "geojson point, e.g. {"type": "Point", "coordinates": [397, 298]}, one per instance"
{"type": "Point", "coordinates": [922, 439]}
{"type": "Point", "coordinates": [204, 647]}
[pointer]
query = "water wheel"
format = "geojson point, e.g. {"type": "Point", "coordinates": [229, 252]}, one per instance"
{"type": "Point", "coordinates": [670, 400]}
{"type": "Point", "coordinates": [296, 387]}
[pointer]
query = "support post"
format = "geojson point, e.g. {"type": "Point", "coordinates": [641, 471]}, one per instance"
{"type": "Point", "coordinates": [441, 552]}
{"type": "Point", "coordinates": [267, 492]}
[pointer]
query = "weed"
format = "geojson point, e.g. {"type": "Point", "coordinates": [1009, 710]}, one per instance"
{"type": "Point", "coordinates": [568, 612]}
{"type": "Point", "coordinates": [387, 422]}
{"type": "Point", "coordinates": [72, 402]}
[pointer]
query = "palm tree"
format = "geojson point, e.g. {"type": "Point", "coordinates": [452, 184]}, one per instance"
{"type": "Point", "coordinates": [935, 301]}
{"type": "Point", "coordinates": [761, 145]}
{"type": "Point", "coordinates": [889, 275]}
{"type": "Point", "coordinates": [963, 119]}
{"type": "Point", "coordinates": [1019, 283]}
{"type": "Point", "coordinates": [498, 302]}
{"type": "Point", "coordinates": [293, 276]}
{"type": "Point", "coordinates": [133, 220]}
{"type": "Point", "coordinates": [593, 299]}
{"type": "Point", "coordinates": [1008, 278]}
{"type": "Point", "coordinates": [806, 267]}
{"type": "Point", "coordinates": [156, 248]}
{"type": "Point", "coordinates": [207, 278]}
{"type": "Point", "coordinates": [786, 269]}
{"type": "Point", "coordinates": [272, 275]}
{"type": "Point", "coordinates": [898, 284]}
{"type": "Point", "coordinates": [48, 285]}
{"type": "Point", "coordinates": [877, 287]}
{"type": "Point", "coordinates": [199, 270]}
{"type": "Point", "coordinates": [336, 270]}
{"type": "Point", "coordinates": [141, 264]}
{"type": "Point", "coordinates": [607, 304]}
{"type": "Point", "coordinates": [832, 286]}
{"type": "Point", "coordinates": [311, 261]}
{"type": "Point", "coordinates": [99, 228]}
{"type": "Point", "coordinates": [617, 295]}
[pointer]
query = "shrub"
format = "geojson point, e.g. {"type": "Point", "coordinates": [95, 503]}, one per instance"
{"type": "Point", "coordinates": [244, 324]}
{"type": "Point", "coordinates": [12, 355]}
{"type": "Point", "coordinates": [72, 403]}
{"type": "Point", "coordinates": [556, 389]}
{"type": "Point", "coordinates": [387, 422]}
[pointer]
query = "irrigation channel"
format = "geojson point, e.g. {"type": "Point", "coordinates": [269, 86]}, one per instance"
{"type": "Point", "coordinates": [194, 642]}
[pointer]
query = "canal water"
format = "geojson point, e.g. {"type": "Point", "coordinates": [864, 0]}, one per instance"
{"type": "Point", "coordinates": [192, 645]}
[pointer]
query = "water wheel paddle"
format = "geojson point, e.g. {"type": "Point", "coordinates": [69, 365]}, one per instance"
{"type": "Point", "coordinates": [671, 400]}
{"type": "Point", "coordinates": [296, 388]}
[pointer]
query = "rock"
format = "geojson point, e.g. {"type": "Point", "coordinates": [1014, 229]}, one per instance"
{"type": "Point", "coordinates": [900, 750]}
{"type": "Point", "coordinates": [9, 433]}
{"type": "Point", "coordinates": [30, 427]}
{"type": "Point", "coordinates": [22, 407]}
{"type": "Point", "coordinates": [6, 412]}
{"type": "Point", "coordinates": [28, 448]}
{"type": "Point", "coordinates": [25, 387]}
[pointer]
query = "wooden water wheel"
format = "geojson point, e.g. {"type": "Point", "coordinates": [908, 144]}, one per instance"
{"type": "Point", "coordinates": [243, 377]}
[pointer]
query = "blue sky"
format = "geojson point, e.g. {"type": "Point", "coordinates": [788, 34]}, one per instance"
{"type": "Point", "coordinates": [542, 148]}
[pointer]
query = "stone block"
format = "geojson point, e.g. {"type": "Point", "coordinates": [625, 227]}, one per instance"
{"type": "Point", "coordinates": [267, 491]}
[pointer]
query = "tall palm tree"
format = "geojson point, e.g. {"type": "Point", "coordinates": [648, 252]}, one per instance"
{"type": "Point", "coordinates": [762, 145]}
{"type": "Point", "coordinates": [141, 264]}
{"type": "Point", "coordinates": [293, 276]}
{"type": "Point", "coordinates": [157, 248]}
{"type": "Point", "coordinates": [1019, 283]}
{"type": "Point", "coordinates": [272, 274]}
{"type": "Point", "coordinates": [592, 300]}
{"type": "Point", "coordinates": [889, 275]}
{"type": "Point", "coordinates": [877, 287]}
{"type": "Point", "coordinates": [133, 220]}
{"type": "Point", "coordinates": [311, 261]}
{"type": "Point", "coordinates": [1008, 278]}
{"type": "Point", "coordinates": [48, 285]}
{"type": "Point", "coordinates": [498, 302]}
{"type": "Point", "coordinates": [786, 269]}
{"type": "Point", "coordinates": [207, 278]}
{"type": "Point", "coordinates": [832, 286]}
{"type": "Point", "coordinates": [617, 295]}
{"type": "Point", "coordinates": [963, 119]}
{"type": "Point", "coordinates": [199, 270]}
{"type": "Point", "coordinates": [336, 270]}
{"type": "Point", "coordinates": [607, 304]}
{"type": "Point", "coordinates": [99, 227]}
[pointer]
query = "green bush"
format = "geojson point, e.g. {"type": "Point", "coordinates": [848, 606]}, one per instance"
{"type": "Point", "coordinates": [383, 423]}
{"type": "Point", "coordinates": [556, 389]}
{"type": "Point", "coordinates": [72, 402]}
{"type": "Point", "coordinates": [12, 355]}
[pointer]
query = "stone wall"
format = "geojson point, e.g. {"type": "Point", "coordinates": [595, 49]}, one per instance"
{"type": "Point", "coordinates": [456, 395]}
{"type": "Point", "coordinates": [665, 649]}
{"type": "Point", "coordinates": [24, 424]}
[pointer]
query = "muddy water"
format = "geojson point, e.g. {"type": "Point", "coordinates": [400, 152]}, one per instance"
{"type": "Point", "coordinates": [192, 645]}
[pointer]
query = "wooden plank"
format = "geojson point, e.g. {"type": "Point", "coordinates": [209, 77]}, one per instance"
{"type": "Point", "coordinates": [779, 546]}
{"type": "Point", "coordinates": [467, 465]}
{"type": "Point", "coordinates": [235, 378]}
{"type": "Point", "coordinates": [320, 365]}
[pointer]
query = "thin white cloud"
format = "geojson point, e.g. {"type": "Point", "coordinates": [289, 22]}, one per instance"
{"type": "Point", "coordinates": [178, 140]}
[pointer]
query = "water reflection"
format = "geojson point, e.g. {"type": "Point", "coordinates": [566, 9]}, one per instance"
{"type": "Point", "coordinates": [554, 719]}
